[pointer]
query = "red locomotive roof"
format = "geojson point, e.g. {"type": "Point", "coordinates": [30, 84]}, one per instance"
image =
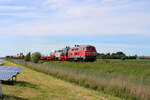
{"type": "Point", "coordinates": [81, 46]}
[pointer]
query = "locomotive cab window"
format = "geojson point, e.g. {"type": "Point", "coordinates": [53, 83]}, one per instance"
{"type": "Point", "coordinates": [90, 48]}
{"type": "Point", "coordinates": [73, 50]}
{"type": "Point", "coordinates": [76, 49]}
{"type": "Point", "coordinates": [63, 54]}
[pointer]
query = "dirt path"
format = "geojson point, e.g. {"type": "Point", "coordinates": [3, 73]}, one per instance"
{"type": "Point", "coordinates": [33, 85]}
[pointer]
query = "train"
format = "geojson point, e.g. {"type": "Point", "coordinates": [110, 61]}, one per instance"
{"type": "Point", "coordinates": [19, 56]}
{"type": "Point", "coordinates": [76, 53]}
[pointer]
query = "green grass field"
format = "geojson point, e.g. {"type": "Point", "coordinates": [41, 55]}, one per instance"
{"type": "Point", "coordinates": [134, 75]}
{"type": "Point", "coordinates": [33, 85]}
{"type": "Point", "coordinates": [129, 79]}
{"type": "Point", "coordinates": [111, 68]}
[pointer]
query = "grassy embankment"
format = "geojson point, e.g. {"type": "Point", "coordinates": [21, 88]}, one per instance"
{"type": "Point", "coordinates": [33, 85]}
{"type": "Point", "coordinates": [129, 79]}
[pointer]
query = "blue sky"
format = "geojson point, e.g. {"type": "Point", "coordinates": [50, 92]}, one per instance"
{"type": "Point", "coordinates": [46, 25]}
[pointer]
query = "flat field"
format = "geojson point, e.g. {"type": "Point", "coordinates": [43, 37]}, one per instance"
{"type": "Point", "coordinates": [136, 70]}
{"type": "Point", "coordinates": [33, 85]}
{"type": "Point", "coordinates": [128, 78]}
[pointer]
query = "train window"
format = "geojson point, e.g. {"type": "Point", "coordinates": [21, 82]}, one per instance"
{"type": "Point", "coordinates": [62, 54]}
{"type": "Point", "coordinates": [90, 48]}
{"type": "Point", "coordinates": [60, 50]}
{"type": "Point", "coordinates": [76, 49]}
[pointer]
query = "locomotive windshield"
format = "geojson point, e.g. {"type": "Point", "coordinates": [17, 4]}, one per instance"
{"type": "Point", "coordinates": [90, 48]}
{"type": "Point", "coordinates": [59, 51]}
{"type": "Point", "coordinates": [62, 54]}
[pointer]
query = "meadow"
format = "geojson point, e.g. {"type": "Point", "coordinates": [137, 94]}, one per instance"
{"type": "Point", "coordinates": [34, 85]}
{"type": "Point", "coordinates": [112, 68]}
{"type": "Point", "coordinates": [128, 79]}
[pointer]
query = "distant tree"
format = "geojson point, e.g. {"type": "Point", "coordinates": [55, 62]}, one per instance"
{"type": "Point", "coordinates": [36, 57]}
{"type": "Point", "coordinates": [28, 57]}
{"type": "Point", "coordinates": [117, 55]}
{"type": "Point", "coordinates": [131, 57]}
{"type": "Point", "coordinates": [108, 54]}
{"type": "Point", "coordinates": [100, 55]}
{"type": "Point", "coordinates": [136, 56]}
{"type": "Point", "coordinates": [7, 57]}
{"type": "Point", "coordinates": [120, 53]}
{"type": "Point", "coordinates": [123, 58]}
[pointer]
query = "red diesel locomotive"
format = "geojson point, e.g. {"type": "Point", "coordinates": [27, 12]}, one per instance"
{"type": "Point", "coordinates": [77, 53]}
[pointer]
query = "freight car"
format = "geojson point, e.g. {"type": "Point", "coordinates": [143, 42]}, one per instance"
{"type": "Point", "coordinates": [76, 53]}
{"type": "Point", "coordinates": [19, 56]}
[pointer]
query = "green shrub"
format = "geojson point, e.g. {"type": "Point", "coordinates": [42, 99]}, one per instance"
{"type": "Point", "coordinates": [36, 57]}
{"type": "Point", "coordinates": [123, 58]}
{"type": "Point", "coordinates": [28, 57]}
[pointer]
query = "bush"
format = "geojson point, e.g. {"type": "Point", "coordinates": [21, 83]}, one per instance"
{"type": "Point", "coordinates": [36, 57]}
{"type": "Point", "coordinates": [28, 57]}
{"type": "Point", "coordinates": [117, 55]}
{"type": "Point", "coordinates": [123, 58]}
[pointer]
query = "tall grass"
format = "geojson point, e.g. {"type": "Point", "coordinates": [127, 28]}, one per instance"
{"type": "Point", "coordinates": [129, 81]}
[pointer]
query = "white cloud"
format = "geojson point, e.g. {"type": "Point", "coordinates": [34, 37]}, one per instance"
{"type": "Point", "coordinates": [110, 0]}
{"type": "Point", "coordinates": [56, 3]}
{"type": "Point", "coordinates": [78, 27]}
{"type": "Point", "coordinates": [14, 8]}
{"type": "Point", "coordinates": [23, 15]}
{"type": "Point", "coordinates": [83, 18]}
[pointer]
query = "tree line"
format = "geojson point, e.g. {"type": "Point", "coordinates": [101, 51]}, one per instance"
{"type": "Point", "coordinates": [117, 55]}
{"type": "Point", "coordinates": [35, 57]}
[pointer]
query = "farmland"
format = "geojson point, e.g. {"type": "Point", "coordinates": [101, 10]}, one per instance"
{"type": "Point", "coordinates": [33, 85]}
{"type": "Point", "coordinates": [133, 68]}
{"type": "Point", "coordinates": [129, 79]}
{"type": "Point", "coordinates": [131, 76]}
